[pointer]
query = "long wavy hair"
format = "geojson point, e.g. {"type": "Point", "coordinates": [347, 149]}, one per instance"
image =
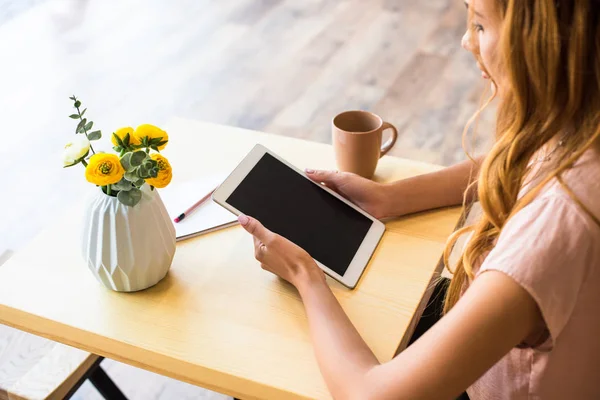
{"type": "Point", "coordinates": [549, 52]}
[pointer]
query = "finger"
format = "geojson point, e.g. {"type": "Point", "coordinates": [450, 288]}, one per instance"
{"type": "Point", "coordinates": [255, 228]}
{"type": "Point", "coordinates": [259, 249]}
{"type": "Point", "coordinates": [330, 178]}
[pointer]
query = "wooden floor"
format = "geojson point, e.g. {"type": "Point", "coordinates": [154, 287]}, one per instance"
{"type": "Point", "coordinates": [282, 66]}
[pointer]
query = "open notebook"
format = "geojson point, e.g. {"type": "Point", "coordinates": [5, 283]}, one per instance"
{"type": "Point", "coordinates": [209, 217]}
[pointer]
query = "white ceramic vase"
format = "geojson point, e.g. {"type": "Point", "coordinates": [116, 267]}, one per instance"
{"type": "Point", "coordinates": [128, 248]}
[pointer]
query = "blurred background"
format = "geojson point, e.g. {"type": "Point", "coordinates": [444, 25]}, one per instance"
{"type": "Point", "coordinates": [281, 66]}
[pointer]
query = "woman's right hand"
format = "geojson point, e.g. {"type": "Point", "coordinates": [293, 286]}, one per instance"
{"type": "Point", "coordinates": [368, 195]}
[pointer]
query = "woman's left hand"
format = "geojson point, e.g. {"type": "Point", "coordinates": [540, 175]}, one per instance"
{"type": "Point", "coordinates": [280, 256]}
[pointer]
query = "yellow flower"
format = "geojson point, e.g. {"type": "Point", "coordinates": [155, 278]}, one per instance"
{"type": "Point", "coordinates": [151, 132]}
{"type": "Point", "coordinates": [104, 169]}
{"type": "Point", "coordinates": [121, 133]}
{"type": "Point", "coordinates": [165, 173]}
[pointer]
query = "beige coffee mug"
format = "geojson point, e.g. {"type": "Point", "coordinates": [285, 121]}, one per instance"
{"type": "Point", "coordinates": [357, 137]}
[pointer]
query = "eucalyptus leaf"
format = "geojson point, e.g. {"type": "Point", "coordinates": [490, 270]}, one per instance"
{"type": "Point", "coordinates": [77, 103]}
{"type": "Point", "coordinates": [94, 135]}
{"type": "Point", "coordinates": [137, 158]}
{"type": "Point", "coordinates": [139, 183]}
{"type": "Point", "coordinates": [126, 161]}
{"type": "Point", "coordinates": [74, 116]}
{"type": "Point", "coordinates": [131, 197]}
{"type": "Point", "coordinates": [143, 172]}
{"type": "Point", "coordinates": [131, 176]}
{"type": "Point", "coordinates": [118, 149]}
{"type": "Point", "coordinates": [122, 185]}
{"type": "Point", "coordinates": [154, 172]}
{"type": "Point", "coordinates": [83, 112]}
{"type": "Point", "coordinates": [81, 125]}
{"type": "Point", "coordinates": [73, 98]}
{"type": "Point", "coordinates": [118, 140]}
{"type": "Point", "coordinates": [89, 125]}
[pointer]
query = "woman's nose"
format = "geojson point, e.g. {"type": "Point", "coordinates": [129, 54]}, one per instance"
{"type": "Point", "coordinates": [466, 41]}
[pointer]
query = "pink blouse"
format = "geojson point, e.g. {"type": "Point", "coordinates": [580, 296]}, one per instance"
{"type": "Point", "coordinates": [552, 249]}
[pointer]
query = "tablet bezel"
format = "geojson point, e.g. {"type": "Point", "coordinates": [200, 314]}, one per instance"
{"type": "Point", "coordinates": [365, 251]}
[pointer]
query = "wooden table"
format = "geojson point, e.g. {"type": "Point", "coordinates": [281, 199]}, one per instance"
{"type": "Point", "coordinates": [217, 320]}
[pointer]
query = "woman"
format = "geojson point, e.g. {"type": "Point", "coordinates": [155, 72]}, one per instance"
{"type": "Point", "coordinates": [522, 316]}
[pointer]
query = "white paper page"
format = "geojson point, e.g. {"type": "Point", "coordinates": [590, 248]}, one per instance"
{"type": "Point", "coordinates": [178, 197]}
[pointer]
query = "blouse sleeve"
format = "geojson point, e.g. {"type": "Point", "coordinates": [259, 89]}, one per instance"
{"type": "Point", "coordinates": [547, 248]}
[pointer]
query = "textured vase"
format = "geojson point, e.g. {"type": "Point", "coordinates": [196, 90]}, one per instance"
{"type": "Point", "coordinates": [128, 248]}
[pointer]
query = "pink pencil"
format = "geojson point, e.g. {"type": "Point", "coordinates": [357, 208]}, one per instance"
{"type": "Point", "coordinates": [192, 208]}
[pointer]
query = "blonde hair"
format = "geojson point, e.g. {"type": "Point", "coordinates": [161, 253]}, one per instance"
{"type": "Point", "coordinates": [550, 55]}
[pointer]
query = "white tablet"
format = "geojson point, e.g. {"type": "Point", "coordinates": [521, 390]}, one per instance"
{"type": "Point", "coordinates": [337, 234]}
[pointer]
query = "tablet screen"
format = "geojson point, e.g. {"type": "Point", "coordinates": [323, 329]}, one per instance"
{"type": "Point", "coordinates": [292, 206]}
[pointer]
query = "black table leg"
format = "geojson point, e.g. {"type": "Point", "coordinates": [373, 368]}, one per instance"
{"type": "Point", "coordinates": [105, 385]}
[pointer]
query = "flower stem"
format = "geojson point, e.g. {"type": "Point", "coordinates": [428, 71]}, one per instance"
{"type": "Point", "coordinates": [85, 130]}
{"type": "Point", "coordinates": [108, 191]}
{"type": "Point", "coordinates": [84, 162]}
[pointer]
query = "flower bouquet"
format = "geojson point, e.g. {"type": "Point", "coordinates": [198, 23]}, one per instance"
{"type": "Point", "coordinates": [128, 237]}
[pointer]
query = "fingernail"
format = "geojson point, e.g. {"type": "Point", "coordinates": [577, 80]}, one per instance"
{"type": "Point", "coordinates": [309, 171]}
{"type": "Point", "coordinates": [243, 219]}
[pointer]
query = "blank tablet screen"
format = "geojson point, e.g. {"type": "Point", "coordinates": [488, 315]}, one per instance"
{"type": "Point", "coordinates": [292, 206]}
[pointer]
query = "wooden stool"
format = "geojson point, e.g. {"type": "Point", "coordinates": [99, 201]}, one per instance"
{"type": "Point", "coordinates": [32, 367]}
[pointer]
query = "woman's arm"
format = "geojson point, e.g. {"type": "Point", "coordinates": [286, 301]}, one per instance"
{"type": "Point", "coordinates": [442, 188]}
{"type": "Point", "coordinates": [494, 316]}
{"type": "Point", "coordinates": [423, 192]}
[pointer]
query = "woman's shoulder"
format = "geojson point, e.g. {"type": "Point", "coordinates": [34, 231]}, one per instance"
{"type": "Point", "coordinates": [578, 189]}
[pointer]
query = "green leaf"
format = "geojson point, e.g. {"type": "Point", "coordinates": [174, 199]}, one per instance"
{"type": "Point", "coordinates": [74, 116]}
{"type": "Point", "coordinates": [137, 158]}
{"type": "Point", "coordinates": [83, 112]}
{"type": "Point", "coordinates": [118, 149]}
{"type": "Point", "coordinates": [145, 141]}
{"type": "Point", "coordinates": [143, 172]}
{"type": "Point", "coordinates": [73, 98]}
{"type": "Point", "coordinates": [122, 185]}
{"type": "Point", "coordinates": [126, 140]}
{"type": "Point", "coordinates": [139, 183]}
{"type": "Point", "coordinates": [132, 176]}
{"type": "Point", "coordinates": [163, 142]}
{"type": "Point", "coordinates": [77, 103]}
{"type": "Point", "coordinates": [89, 125]}
{"type": "Point", "coordinates": [155, 148]}
{"type": "Point", "coordinates": [81, 125]}
{"type": "Point", "coordinates": [126, 161]}
{"type": "Point", "coordinates": [118, 140]}
{"type": "Point", "coordinates": [94, 135]}
{"type": "Point", "coordinates": [154, 172]}
{"type": "Point", "coordinates": [131, 197]}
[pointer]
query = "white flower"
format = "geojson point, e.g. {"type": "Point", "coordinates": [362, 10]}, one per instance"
{"type": "Point", "coordinates": [75, 149]}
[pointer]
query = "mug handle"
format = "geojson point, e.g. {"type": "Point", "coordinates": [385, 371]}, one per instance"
{"type": "Point", "coordinates": [387, 146]}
